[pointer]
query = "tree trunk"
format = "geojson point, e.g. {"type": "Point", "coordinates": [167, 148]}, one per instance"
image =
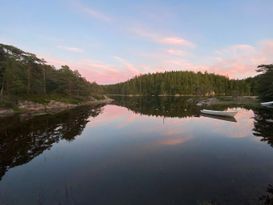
{"type": "Point", "coordinates": [28, 79]}
{"type": "Point", "coordinates": [44, 78]}
{"type": "Point", "coordinates": [2, 89]}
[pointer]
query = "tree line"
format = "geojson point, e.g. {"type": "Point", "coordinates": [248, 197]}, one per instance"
{"type": "Point", "coordinates": [264, 82]}
{"type": "Point", "coordinates": [182, 83]}
{"type": "Point", "coordinates": [24, 74]}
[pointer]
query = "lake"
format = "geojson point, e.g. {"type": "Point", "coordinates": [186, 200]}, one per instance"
{"type": "Point", "coordinates": [138, 150]}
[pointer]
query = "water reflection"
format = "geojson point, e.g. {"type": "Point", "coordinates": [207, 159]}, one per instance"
{"type": "Point", "coordinates": [128, 158]}
{"type": "Point", "coordinates": [229, 119]}
{"type": "Point", "coordinates": [22, 140]}
{"type": "Point", "coordinates": [181, 107]}
{"type": "Point", "coordinates": [159, 106]}
{"type": "Point", "coordinates": [170, 106]}
{"type": "Point", "coordinates": [263, 124]}
{"type": "Point", "coordinates": [267, 198]}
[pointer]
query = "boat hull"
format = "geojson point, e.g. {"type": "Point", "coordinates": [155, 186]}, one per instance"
{"type": "Point", "coordinates": [267, 103]}
{"type": "Point", "coordinates": [218, 117]}
{"type": "Point", "coordinates": [220, 113]}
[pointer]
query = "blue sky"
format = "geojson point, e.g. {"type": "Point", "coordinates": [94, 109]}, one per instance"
{"type": "Point", "coordinates": [111, 41]}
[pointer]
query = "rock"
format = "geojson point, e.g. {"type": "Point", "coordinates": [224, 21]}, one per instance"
{"type": "Point", "coordinates": [190, 100]}
{"type": "Point", "coordinates": [28, 108]}
{"type": "Point", "coordinates": [6, 112]}
{"type": "Point", "coordinates": [209, 101]}
{"type": "Point", "coordinates": [200, 104]}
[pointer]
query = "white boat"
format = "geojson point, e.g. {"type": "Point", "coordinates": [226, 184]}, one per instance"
{"type": "Point", "coordinates": [267, 103]}
{"type": "Point", "coordinates": [220, 113]}
{"type": "Point", "coordinates": [218, 117]}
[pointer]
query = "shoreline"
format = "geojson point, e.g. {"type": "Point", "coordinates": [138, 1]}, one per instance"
{"type": "Point", "coordinates": [209, 100]}
{"type": "Point", "coordinates": [227, 100]}
{"type": "Point", "coordinates": [53, 107]}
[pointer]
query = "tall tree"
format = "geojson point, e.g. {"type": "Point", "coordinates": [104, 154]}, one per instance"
{"type": "Point", "coordinates": [265, 82]}
{"type": "Point", "coordinates": [181, 83]}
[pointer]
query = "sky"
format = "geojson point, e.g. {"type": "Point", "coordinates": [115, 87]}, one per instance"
{"type": "Point", "coordinates": [113, 41]}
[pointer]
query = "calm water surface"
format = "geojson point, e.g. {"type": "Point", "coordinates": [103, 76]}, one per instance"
{"type": "Point", "coordinates": [137, 151]}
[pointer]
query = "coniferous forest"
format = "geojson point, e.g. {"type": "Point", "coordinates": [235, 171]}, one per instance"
{"type": "Point", "coordinates": [183, 83]}
{"type": "Point", "coordinates": [24, 75]}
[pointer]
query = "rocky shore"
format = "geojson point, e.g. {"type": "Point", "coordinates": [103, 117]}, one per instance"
{"type": "Point", "coordinates": [225, 100]}
{"type": "Point", "coordinates": [33, 108]}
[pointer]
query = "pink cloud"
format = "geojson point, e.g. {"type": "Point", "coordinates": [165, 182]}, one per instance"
{"type": "Point", "coordinates": [267, 47]}
{"type": "Point", "coordinates": [97, 71]}
{"type": "Point", "coordinates": [70, 49]}
{"type": "Point", "coordinates": [175, 41]}
{"type": "Point", "coordinates": [162, 39]}
{"type": "Point", "coordinates": [236, 61]}
{"type": "Point", "coordinates": [176, 52]}
{"type": "Point", "coordinates": [240, 61]}
{"type": "Point", "coordinates": [174, 141]}
{"type": "Point", "coordinates": [127, 65]}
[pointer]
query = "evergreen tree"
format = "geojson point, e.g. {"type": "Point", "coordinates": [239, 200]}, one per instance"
{"type": "Point", "coordinates": [265, 82]}
{"type": "Point", "coordinates": [180, 83]}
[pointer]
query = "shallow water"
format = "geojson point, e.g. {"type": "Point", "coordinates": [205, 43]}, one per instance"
{"type": "Point", "coordinates": [137, 151]}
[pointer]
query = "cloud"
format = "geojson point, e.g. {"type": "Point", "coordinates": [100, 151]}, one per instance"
{"type": "Point", "coordinates": [267, 47]}
{"type": "Point", "coordinates": [97, 14]}
{"type": "Point", "coordinates": [129, 66]}
{"type": "Point", "coordinates": [94, 13]}
{"type": "Point", "coordinates": [240, 61]}
{"type": "Point", "coordinates": [235, 61]}
{"type": "Point", "coordinates": [70, 49]}
{"type": "Point", "coordinates": [97, 71]}
{"type": "Point", "coordinates": [176, 52]}
{"type": "Point", "coordinates": [162, 39]}
{"type": "Point", "coordinates": [175, 41]}
{"type": "Point", "coordinates": [174, 141]}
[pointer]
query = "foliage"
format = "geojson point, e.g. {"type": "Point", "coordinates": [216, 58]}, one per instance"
{"type": "Point", "coordinates": [181, 83]}
{"type": "Point", "coordinates": [25, 76]}
{"type": "Point", "coordinates": [265, 82]}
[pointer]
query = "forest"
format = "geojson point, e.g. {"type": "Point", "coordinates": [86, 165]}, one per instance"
{"type": "Point", "coordinates": [25, 76]}
{"type": "Point", "coordinates": [183, 83]}
{"type": "Point", "coordinates": [264, 82]}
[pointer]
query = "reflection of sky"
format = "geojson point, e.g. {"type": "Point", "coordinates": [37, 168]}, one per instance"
{"type": "Point", "coordinates": [175, 130]}
{"type": "Point", "coordinates": [121, 155]}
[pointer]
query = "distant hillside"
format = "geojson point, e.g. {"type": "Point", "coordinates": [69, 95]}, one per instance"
{"type": "Point", "coordinates": [24, 75]}
{"type": "Point", "coordinates": [182, 83]}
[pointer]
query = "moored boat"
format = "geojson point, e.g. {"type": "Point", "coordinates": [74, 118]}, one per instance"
{"type": "Point", "coordinates": [267, 103]}
{"type": "Point", "coordinates": [220, 113]}
{"type": "Point", "coordinates": [219, 117]}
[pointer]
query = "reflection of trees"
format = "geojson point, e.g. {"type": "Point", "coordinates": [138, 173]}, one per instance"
{"type": "Point", "coordinates": [21, 141]}
{"type": "Point", "coordinates": [263, 124]}
{"type": "Point", "coordinates": [159, 106]}
{"type": "Point", "coordinates": [163, 106]}
{"type": "Point", "coordinates": [267, 199]}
